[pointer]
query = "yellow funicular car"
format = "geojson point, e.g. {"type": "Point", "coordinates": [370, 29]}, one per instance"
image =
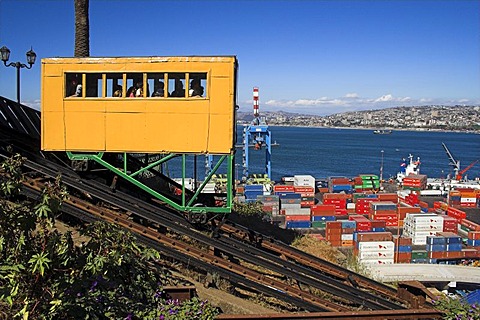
{"type": "Point", "coordinates": [137, 115]}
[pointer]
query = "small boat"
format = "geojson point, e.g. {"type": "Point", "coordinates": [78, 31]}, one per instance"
{"type": "Point", "coordinates": [382, 131]}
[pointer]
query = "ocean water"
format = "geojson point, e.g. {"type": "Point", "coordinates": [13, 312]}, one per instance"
{"type": "Point", "coordinates": [327, 152]}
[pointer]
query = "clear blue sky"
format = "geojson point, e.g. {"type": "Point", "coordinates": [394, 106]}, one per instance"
{"type": "Point", "coordinates": [317, 57]}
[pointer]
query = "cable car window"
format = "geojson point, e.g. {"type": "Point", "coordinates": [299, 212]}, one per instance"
{"type": "Point", "coordinates": [198, 85]}
{"type": "Point", "coordinates": [134, 85]}
{"type": "Point", "coordinates": [114, 84]}
{"type": "Point", "coordinates": [73, 85]}
{"type": "Point", "coordinates": [155, 81]}
{"type": "Point", "coordinates": [176, 85]}
{"type": "Point", "coordinates": [94, 85]}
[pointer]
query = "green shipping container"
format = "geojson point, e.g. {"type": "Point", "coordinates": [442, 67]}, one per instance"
{"type": "Point", "coordinates": [319, 224]}
{"type": "Point", "coordinates": [419, 254]}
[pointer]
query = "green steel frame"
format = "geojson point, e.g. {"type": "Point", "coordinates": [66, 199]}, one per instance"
{"type": "Point", "coordinates": [191, 205]}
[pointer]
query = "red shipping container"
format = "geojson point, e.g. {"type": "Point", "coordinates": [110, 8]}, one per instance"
{"type": "Point", "coordinates": [378, 224]}
{"type": "Point", "coordinates": [303, 189]}
{"type": "Point", "coordinates": [283, 188]}
{"type": "Point", "coordinates": [341, 212]}
{"type": "Point", "coordinates": [456, 213]}
{"type": "Point", "coordinates": [297, 217]}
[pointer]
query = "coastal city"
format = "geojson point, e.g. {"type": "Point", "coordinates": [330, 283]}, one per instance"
{"type": "Point", "coordinates": [432, 117]}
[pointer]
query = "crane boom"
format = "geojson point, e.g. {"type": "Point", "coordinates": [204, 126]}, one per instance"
{"type": "Point", "coordinates": [453, 162]}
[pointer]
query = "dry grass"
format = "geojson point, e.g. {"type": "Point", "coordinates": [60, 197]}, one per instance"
{"type": "Point", "coordinates": [319, 248]}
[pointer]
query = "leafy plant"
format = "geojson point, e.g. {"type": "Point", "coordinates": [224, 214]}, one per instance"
{"type": "Point", "coordinates": [457, 309]}
{"type": "Point", "coordinates": [43, 274]}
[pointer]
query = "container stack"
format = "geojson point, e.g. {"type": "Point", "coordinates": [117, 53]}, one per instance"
{"type": "Point", "coordinates": [473, 240]}
{"type": "Point", "coordinates": [366, 182]}
{"type": "Point", "coordinates": [403, 209]}
{"type": "Point", "coordinates": [270, 204]}
{"type": "Point", "coordinates": [333, 233]}
{"type": "Point", "coordinates": [340, 233]}
{"type": "Point", "coordinates": [385, 211]}
{"type": "Point", "coordinates": [362, 224]}
{"type": "Point", "coordinates": [252, 191]}
{"type": "Point", "coordinates": [307, 195]}
{"type": "Point", "coordinates": [420, 225]}
{"type": "Point", "coordinates": [374, 248]}
{"type": "Point", "coordinates": [337, 185]}
{"type": "Point", "coordinates": [304, 181]}
{"type": "Point", "coordinates": [409, 197]}
{"type": "Point", "coordinates": [403, 249]}
{"type": "Point", "coordinates": [444, 245]}
{"type": "Point", "coordinates": [321, 214]}
{"type": "Point", "coordinates": [291, 208]}
{"type": "Point", "coordinates": [339, 200]}
{"type": "Point", "coordinates": [362, 205]}
{"type": "Point", "coordinates": [469, 197]}
{"type": "Point", "coordinates": [415, 182]}
{"type": "Point", "coordinates": [348, 230]}
{"type": "Point", "coordinates": [454, 198]}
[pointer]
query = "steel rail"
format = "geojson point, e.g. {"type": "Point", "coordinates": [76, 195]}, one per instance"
{"type": "Point", "coordinates": [378, 314]}
{"type": "Point", "coordinates": [352, 315]}
{"type": "Point", "coordinates": [319, 280]}
{"type": "Point", "coordinates": [333, 287]}
{"type": "Point", "coordinates": [309, 260]}
{"type": "Point", "coordinates": [194, 252]}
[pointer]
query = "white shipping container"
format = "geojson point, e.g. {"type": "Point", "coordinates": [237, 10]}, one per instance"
{"type": "Point", "coordinates": [297, 212]}
{"type": "Point", "coordinates": [304, 180]}
{"type": "Point", "coordinates": [412, 215]}
{"type": "Point", "coordinates": [376, 261]}
{"type": "Point", "coordinates": [366, 255]}
{"type": "Point", "coordinates": [420, 220]}
{"type": "Point", "coordinates": [418, 234]}
{"type": "Point", "coordinates": [419, 241]}
{"type": "Point", "coordinates": [350, 206]}
{"type": "Point", "coordinates": [290, 206]}
{"type": "Point", "coordinates": [376, 245]}
{"type": "Point", "coordinates": [468, 200]}
{"type": "Point", "coordinates": [347, 236]}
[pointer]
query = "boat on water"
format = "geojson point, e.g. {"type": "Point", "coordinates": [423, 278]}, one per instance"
{"type": "Point", "coordinates": [382, 131]}
{"type": "Point", "coordinates": [434, 186]}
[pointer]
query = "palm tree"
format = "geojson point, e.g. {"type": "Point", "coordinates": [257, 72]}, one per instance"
{"type": "Point", "coordinates": [82, 29]}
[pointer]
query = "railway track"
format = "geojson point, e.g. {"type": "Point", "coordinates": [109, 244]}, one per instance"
{"type": "Point", "coordinates": [231, 256]}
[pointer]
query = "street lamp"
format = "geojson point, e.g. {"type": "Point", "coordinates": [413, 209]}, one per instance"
{"type": "Point", "coordinates": [5, 55]}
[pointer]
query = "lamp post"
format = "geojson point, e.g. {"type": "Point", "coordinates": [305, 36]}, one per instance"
{"type": "Point", "coordinates": [5, 55]}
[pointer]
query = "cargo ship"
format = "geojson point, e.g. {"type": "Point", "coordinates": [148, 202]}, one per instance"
{"type": "Point", "coordinates": [382, 131]}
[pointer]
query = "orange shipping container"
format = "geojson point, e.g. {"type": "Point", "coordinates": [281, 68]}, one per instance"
{"type": "Point", "coordinates": [403, 257]}
{"type": "Point", "coordinates": [474, 235]}
{"type": "Point", "coordinates": [470, 225]}
{"type": "Point", "coordinates": [334, 225]}
{"type": "Point", "coordinates": [374, 236]}
{"type": "Point", "coordinates": [436, 254]}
